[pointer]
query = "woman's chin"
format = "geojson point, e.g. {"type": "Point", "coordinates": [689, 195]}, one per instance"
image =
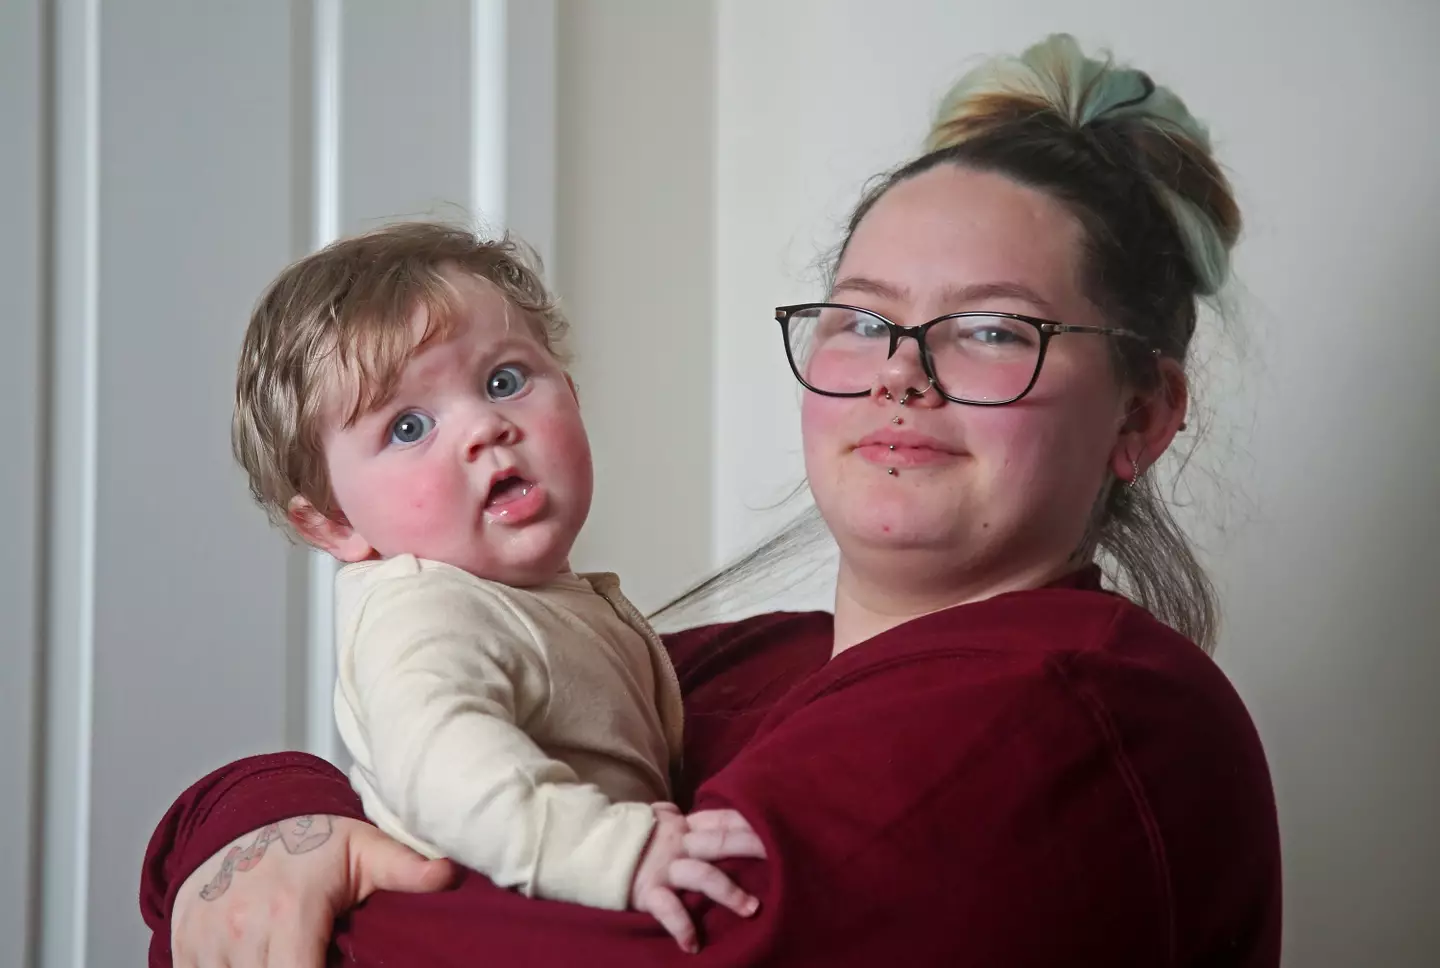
{"type": "Point", "coordinates": [902, 529]}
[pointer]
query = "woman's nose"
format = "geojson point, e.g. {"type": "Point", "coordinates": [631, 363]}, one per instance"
{"type": "Point", "coordinates": [903, 379]}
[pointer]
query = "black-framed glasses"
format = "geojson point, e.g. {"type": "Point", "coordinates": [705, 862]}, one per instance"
{"type": "Point", "coordinates": [983, 359]}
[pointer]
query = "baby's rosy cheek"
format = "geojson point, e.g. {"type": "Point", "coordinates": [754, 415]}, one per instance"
{"type": "Point", "coordinates": [425, 496]}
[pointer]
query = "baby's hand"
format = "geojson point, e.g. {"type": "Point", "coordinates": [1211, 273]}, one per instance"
{"type": "Point", "coordinates": [720, 835]}
{"type": "Point", "coordinates": [678, 858]}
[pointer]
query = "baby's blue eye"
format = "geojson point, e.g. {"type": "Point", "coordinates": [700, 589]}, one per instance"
{"type": "Point", "coordinates": [411, 426]}
{"type": "Point", "coordinates": [506, 382]}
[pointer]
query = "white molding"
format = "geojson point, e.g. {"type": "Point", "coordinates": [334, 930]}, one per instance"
{"type": "Point", "coordinates": [325, 84]}
{"type": "Point", "coordinates": [74, 416]}
{"type": "Point", "coordinates": [24, 308]}
{"type": "Point", "coordinates": [488, 92]}
{"type": "Point", "coordinates": [321, 738]}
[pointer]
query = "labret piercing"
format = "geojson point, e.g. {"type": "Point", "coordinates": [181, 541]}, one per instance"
{"type": "Point", "coordinates": [909, 392]}
{"type": "Point", "coordinates": [893, 420]}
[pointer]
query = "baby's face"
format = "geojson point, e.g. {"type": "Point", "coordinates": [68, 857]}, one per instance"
{"type": "Point", "coordinates": [480, 460]}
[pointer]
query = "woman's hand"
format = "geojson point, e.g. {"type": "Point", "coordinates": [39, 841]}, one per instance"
{"type": "Point", "coordinates": [272, 898]}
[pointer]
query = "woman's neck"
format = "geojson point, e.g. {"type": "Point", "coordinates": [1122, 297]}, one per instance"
{"type": "Point", "coordinates": [869, 601]}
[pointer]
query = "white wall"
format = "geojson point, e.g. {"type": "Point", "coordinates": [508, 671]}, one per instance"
{"type": "Point", "coordinates": [1324, 434]}
{"type": "Point", "coordinates": [637, 123]}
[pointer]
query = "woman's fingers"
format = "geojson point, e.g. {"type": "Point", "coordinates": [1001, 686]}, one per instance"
{"type": "Point", "coordinates": [383, 864]}
{"type": "Point", "coordinates": [662, 905]}
{"type": "Point", "coordinates": [719, 834]}
{"type": "Point", "coordinates": [689, 874]}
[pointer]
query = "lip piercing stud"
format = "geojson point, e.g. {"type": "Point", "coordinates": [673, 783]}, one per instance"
{"type": "Point", "coordinates": [890, 471]}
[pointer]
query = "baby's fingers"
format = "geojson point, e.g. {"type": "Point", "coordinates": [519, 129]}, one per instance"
{"type": "Point", "coordinates": [688, 874]}
{"type": "Point", "coordinates": [662, 905]}
{"type": "Point", "coordinates": [718, 834]}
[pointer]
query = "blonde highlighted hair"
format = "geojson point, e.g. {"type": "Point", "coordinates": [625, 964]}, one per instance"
{"type": "Point", "coordinates": [340, 322]}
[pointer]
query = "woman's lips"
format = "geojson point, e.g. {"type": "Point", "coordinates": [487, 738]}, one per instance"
{"type": "Point", "coordinates": [901, 448]}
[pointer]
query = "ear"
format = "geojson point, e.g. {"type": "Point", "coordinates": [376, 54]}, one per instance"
{"type": "Point", "coordinates": [333, 535]}
{"type": "Point", "coordinates": [1151, 421]}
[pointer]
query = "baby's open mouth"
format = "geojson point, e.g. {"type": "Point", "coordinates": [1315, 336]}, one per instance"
{"type": "Point", "coordinates": [506, 490]}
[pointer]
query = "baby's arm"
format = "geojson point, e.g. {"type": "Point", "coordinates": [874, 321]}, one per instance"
{"type": "Point", "coordinates": [441, 679]}
{"type": "Point", "coordinates": [441, 676]}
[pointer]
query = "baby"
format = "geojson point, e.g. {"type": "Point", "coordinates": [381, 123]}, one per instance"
{"type": "Point", "coordinates": [403, 404]}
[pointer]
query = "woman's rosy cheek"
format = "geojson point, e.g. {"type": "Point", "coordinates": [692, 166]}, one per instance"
{"type": "Point", "coordinates": [822, 417]}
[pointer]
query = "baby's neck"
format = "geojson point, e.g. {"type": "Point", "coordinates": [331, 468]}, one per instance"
{"type": "Point", "coordinates": [510, 578]}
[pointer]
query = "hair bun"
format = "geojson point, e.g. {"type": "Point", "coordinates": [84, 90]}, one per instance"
{"type": "Point", "coordinates": [1165, 142]}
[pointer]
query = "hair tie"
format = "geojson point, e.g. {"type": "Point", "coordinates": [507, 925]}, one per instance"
{"type": "Point", "coordinates": [1149, 89]}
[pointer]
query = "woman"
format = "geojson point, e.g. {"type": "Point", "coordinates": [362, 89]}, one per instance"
{"type": "Point", "coordinates": [983, 758]}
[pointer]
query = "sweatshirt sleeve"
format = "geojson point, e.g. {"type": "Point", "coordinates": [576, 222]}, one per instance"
{"type": "Point", "coordinates": [223, 807]}
{"type": "Point", "coordinates": [442, 677]}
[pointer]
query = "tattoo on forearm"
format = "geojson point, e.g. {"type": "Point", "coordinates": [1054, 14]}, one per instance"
{"type": "Point", "coordinates": [298, 835]}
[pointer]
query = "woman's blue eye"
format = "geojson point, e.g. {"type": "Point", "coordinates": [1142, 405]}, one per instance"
{"type": "Point", "coordinates": [506, 382]}
{"type": "Point", "coordinates": [410, 427]}
{"type": "Point", "coordinates": [992, 335]}
{"type": "Point", "coordinates": [868, 327]}
{"type": "Point", "coordinates": [995, 333]}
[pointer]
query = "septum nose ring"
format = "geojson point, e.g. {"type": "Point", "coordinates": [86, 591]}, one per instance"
{"type": "Point", "coordinates": [912, 392]}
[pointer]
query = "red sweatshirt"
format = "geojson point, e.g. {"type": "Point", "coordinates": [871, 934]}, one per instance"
{"type": "Point", "coordinates": [1047, 778]}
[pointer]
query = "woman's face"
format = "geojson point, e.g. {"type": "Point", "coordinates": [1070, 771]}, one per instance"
{"type": "Point", "coordinates": [985, 490]}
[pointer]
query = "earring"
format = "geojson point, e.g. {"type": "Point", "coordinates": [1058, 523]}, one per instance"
{"type": "Point", "coordinates": [1134, 474]}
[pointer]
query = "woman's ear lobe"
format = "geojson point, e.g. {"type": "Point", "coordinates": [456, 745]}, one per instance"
{"type": "Point", "coordinates": [331, 534]}
{"type": "Point", "coordinates": [1153, 420]}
